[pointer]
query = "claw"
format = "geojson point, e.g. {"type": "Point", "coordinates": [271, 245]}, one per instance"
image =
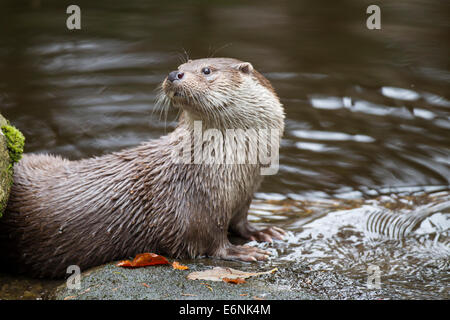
{"type": "Point", "coordinates": [244, 253]}
{"type": "Point", "coordinates": [269, 234]}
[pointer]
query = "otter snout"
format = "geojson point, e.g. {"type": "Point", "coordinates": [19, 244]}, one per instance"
{"type": "Point", "coordinates": [175, 75]}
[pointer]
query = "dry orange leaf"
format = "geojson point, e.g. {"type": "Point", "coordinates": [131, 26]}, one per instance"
{"type": "Point", "coordinates": [207, 285]}
{"type": "Point", "coordinates": [234, 280]}
{"type": "Point", "coordinates": [178, 266]}
{"type": "Point", "coordinates": [143, 260]}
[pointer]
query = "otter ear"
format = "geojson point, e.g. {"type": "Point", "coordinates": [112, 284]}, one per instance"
{"type": "Point", "coordinates": [245, 67]}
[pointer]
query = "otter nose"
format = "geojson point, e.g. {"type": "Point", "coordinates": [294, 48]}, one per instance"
{"type": "Point", "coordinates": [175, 75]}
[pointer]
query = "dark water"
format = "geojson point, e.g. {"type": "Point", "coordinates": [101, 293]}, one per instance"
{"type": "Point", "coordinates": [368, 111]}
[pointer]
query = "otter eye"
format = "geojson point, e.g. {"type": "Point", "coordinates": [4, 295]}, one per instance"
{"type": "Point", "coordinates": [206, 70]}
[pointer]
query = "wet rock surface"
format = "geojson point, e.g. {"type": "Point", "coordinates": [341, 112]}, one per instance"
{"type": "Point", "coordinates": [166, 283]}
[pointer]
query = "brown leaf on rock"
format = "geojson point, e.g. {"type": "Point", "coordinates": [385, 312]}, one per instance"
{"type": "Point", "coordinates": [178, 266]}
{"type": "Point", "coordinates": [234, 281]}
{"type": "Point", "coordinates": [143, 260]}
{"type": "Point", "coordinates": [207, 285]}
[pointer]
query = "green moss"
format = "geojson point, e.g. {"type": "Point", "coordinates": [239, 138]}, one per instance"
{"type": "Point", "coordinates": [11, 148]}
{"type": "Point", "coordinates": [15, 141]}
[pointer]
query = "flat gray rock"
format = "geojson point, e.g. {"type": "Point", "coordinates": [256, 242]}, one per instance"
{"type": "Point", "coordinates": [165, 283]}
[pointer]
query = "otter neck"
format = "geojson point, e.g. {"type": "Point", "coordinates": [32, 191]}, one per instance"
{"type": "Point", "coordinates": [190, 121]}
{"type": "Point", "coordinates": [194, 140]}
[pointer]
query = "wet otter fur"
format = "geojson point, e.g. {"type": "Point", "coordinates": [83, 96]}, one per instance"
{"type": "Point", "coordinates": [92, 211]}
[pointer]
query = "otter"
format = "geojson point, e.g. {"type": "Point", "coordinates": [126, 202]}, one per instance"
{"type": "Point", "coordinates": [97, 210]}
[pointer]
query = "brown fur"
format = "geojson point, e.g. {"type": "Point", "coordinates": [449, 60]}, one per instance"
{"type": "Point", "coordinates": [101, 209]}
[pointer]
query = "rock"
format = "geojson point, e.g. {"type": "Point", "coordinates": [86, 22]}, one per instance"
{"type": "Point", "coordinates": [11, 148]}
{"type": "Point", "coordinates": [163, 282]}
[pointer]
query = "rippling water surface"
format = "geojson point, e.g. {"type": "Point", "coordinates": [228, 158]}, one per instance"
{"type": "Point", "coordinates": [368, 112]}
{"type": "Point", "coordinates": [402, 235]}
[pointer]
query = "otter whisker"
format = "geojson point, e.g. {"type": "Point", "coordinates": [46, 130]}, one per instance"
{"type": "Point", "coordinates": [186, 55]}
{"type": "Point", "coordinates": [226, 45]}
{"type": "Point", "coordinates": [162, 104]}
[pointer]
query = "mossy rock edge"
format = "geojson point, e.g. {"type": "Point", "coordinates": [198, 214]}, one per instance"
{"type": "Point", "coordinates": [12, 143]}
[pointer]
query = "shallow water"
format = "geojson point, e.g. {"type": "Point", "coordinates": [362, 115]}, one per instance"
{"type": "Point", "coordinates": [367, 111]}
{"type": "Point", "coordinates": [404, 236]}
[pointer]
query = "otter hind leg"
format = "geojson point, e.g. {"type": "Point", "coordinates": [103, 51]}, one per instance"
{"type": "Point", "coordinates": [248, 231]}
{"type": "Point", "coordinates": [268, 234]}
{"type": "Point", "coordinates": [240, 226]}
{"type": "Point", "coordinates": [242, 253]}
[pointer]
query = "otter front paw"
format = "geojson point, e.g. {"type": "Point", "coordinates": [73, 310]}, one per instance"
{"type": "Point", "coordinates": [243, 253]}
{"type": "Point", "coordinates": [268, 234]}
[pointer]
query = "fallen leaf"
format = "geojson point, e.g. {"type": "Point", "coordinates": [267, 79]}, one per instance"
{"type": "Point", "coordinates": [145, 285]}
{"type": "Point", "coordinates": [143, 260]}
{"type": "Point", "coordinates": [218, 273]}
{"type": "Point", "coordinates": [69, 297]}
{"type": "Point", "coordinates": [125, 264]}
{"type": "Point", "coordinates": [207, 285]}
{"type": "Point", "coordinates": [178, 266]}
{"type": "Point", "coordinates": [235, 280]}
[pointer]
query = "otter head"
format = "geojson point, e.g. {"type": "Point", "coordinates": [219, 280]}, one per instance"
{"type": "Point", "coordinates": [224, 93]}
